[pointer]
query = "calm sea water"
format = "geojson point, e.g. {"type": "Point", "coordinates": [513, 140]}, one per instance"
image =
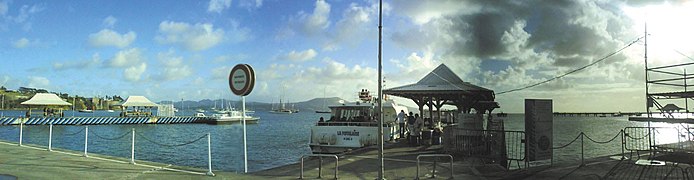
{"type": "Point", "coordinates": [278, 139]}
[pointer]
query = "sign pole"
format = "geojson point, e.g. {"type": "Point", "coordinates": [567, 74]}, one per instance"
{"type": "Point", "coordinates": [241, 82]}
{"type": "Point", "coordinates": [243, 118]}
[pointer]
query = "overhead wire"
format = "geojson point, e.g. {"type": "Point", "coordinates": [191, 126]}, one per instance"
{"type": "Point", "coordinates": [575, 70]}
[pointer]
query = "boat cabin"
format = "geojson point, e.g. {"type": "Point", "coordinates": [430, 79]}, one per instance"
{"type": "Point", "coordinates": [359, 112]}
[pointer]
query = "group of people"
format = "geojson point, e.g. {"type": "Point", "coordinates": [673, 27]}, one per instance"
{"type": "Point", "coordinates": [412, 124]}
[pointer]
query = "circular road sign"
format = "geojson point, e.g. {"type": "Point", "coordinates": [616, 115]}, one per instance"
{"type": "Point", "coordinates": [241, 79]}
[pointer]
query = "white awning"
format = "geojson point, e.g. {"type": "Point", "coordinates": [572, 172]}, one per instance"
{"type": "Point", "coordinates": [138, 101]}
{"type": "Point", "coordinates": [46, 99]}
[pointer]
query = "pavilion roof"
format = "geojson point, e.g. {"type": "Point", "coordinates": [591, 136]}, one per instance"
{"type": "Point", "coordinates": [46, 99]}
{"type": "Point", "coordinates": [138, 101]}
{"type": "Point", "coordinates": [442, 83]}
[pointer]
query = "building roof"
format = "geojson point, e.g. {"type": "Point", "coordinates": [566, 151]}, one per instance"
{"type": "Point", "coordinates": [46, 99]}
{"type": "Point", "coordinates": [442, 81]}
{"type": "Point", "coordinates": [138, 101]}
{"type": "Point", "coordinates": [671, 107]}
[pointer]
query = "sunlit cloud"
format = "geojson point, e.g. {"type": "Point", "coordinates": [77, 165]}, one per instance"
{"type": "Point", "coordinates": [197, 37]}
{"type": "Point", "coordinates": [300, 56]}
{"type": "Point", "coordinates": [38, 82]}
{"type": "Point", "coordinates": [309, 23]}
{"type": "Point", "coordinates": [217, 6]}
{"type": "Point", "coordinates": [251, 4]}
{"type": "Point", "coordinates": [21, 43]}
{"type": "Point", "coordinates": [107, 37]}
{"type": "Point", "coordinates": [134, 73]}
{"type": "Point", "coordinates": [78, 64]}
{"type": "Point", "coordinates": [173, 67]}
{"type": "Point", "coordinates": [125, 58]}
{"type": "Point", "coordinates": [109, 22]}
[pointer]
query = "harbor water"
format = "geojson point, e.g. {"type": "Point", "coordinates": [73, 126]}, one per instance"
{"type": "Point", "coordinates": [276, 140]}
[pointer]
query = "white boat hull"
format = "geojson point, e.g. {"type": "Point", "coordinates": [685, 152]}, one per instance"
{"type": "Point", "coordinates": [337, 139]}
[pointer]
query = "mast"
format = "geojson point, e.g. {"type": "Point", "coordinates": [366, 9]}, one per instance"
{"type": "Point", "coordinates": [380, 91]}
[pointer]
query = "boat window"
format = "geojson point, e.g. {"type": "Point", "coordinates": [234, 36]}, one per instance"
{"type": "Point", "coordinates": [352, 114]}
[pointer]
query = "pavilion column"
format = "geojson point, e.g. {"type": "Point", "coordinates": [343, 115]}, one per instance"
{"type": "Point", "coordinates": [439, 104]}
{"type": "Point", "coordinates": [431, 111]}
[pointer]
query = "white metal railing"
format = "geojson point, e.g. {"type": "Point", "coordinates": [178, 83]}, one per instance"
{"type": "Point", "coordinates": [132, 144]}
{"type": "Point", "coordinates": [320, 164]}
{"type": "Point", "coordinates": [433, 173]}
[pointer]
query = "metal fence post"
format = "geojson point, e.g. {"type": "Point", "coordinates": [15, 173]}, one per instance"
{"type": "Point", "coordinates": [21, 129]}
{"type": "Point", "coordinates": [50, 136]}
{"type": "Point", "coordinates": [209, 156]}
{"type": "Point", "coordinates": [582, 163]}
{"type": "Point", "coordinates": [320, 166]}
{"type": "Point", "coordinates": [301, 173]}
{"type": "Point", "coordinates": [86, 136]}
{"type": "Point", "coordinates": [623, 144]}
{"type": "Point", "coordinates": [132, 148]}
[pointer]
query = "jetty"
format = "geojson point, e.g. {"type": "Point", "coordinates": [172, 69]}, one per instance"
{"type": "Point", "coordinates": [101, 120]}
{"type": "Point", "coordinates": [400, 159]}
{"type": "Point", "coordinates": [597, 114]}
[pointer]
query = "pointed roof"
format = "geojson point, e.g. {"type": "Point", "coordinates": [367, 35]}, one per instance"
{"type": "Point", "coordinates": [671, 107]}
{"type": "Point", "coordinates": [138, 101]}
{"type": "Point", "coordinates": [444, 84]}
{"type": "Point", "coordinates": [441, 80]}
{"type": "Point", "coordinates": [46, 99]}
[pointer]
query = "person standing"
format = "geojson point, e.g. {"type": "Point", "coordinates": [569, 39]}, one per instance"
{"type": "Point", "coordinates": [401, 122]}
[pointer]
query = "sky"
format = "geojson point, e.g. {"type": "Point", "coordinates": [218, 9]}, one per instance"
{"type": "Point", "coordinates": [173, 50]}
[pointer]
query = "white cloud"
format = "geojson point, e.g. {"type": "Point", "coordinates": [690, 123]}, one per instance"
{"type": "Point", "coordinates": [237, 33]}
{"type": "Point", "coordinates": [304, 82]}
{"type": "Point", "coordinates": [109, 22]}
{"type": "Point", "coordinates": [354, 26]}
{"type": "Point", "coordinates": [79, 64]}
{"type": "Point", "coordinates": [3, 7]}
{"type": "Point", "coordinates": [217, 6]}
{"type": "Point", "coordinates": [415, 65]}
{"type": "Point", "coordinates": [227, 58]}
{"type": "Point", "coordinates": [174, 68]}
{"type": "Point", "coordinates": [309, 24]}
{"type": "Point", "coordinates": [300, 56]}
{"type": "Point", "coordinates": [107, 37]}
{"type": "Point", "coordinates": [38, 82]}
{"type": "Point", "coordinates": [126, 58]}
{"type": "Point", "coordinates": [319, 20]}
{"type": "Point", "coordinates": [21, 43]}
{"type": "Point", "coordinates": [221, 72]}
{"type": "Point", "coordinates": [134, 73]}
{"type": "Point", "coordinates": [251, 4]}
{"type": "Point", "coordinates": [191, 37]}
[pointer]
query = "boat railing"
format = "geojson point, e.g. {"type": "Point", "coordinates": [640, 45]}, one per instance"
{"type": "Point", "coordinates": [375, 124]}
{"type": "Point", "coordinates": [320, 164]}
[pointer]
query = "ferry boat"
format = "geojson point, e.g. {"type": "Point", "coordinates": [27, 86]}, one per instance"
{"type": "Point", "coordinates": [354, 125]}
{"type": "Point", "coordinates": [231, 116]}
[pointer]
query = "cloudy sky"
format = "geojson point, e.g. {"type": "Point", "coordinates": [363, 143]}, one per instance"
{"type": "Point", "coordinates": [172, 50]}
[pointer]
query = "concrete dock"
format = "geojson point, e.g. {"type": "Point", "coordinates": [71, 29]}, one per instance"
{"type": "Point", "coordinates": [28, 162]}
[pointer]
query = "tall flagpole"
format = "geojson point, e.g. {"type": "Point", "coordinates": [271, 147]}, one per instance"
{"type": "Point", "coordinates": [380, 92]}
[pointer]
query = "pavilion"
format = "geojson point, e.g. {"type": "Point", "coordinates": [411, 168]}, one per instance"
{"type": "Point", "coordinates": [137, 102]}
{"type": "Point", "coordinates": [443, 87]}
{"type": "Point", "coordinates": [45, 100]}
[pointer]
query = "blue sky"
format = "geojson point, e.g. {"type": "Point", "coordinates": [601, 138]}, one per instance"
{"type": "Point", "coordinates": [172, 50]}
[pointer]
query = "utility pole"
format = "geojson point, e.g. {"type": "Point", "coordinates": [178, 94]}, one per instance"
{"type": "Point", "coordinates": [381, 170]}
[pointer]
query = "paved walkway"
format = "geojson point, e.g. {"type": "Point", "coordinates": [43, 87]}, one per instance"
{"type": "Point", "coordinates": [27, 162]}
